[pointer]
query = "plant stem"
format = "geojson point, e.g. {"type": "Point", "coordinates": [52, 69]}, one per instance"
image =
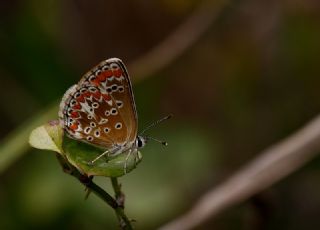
{"type": "Point", "coordinates": [117, 204]}
{"type": "Point", "coordinates": [124, 221]}
{"type": "Point", "coordinates": [117, 190]}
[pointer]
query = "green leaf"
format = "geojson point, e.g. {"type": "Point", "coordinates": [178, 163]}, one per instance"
{"type": "Point", "coordinates": [47, 137]}
{"type": "Point", "coordinates": [79, 154]}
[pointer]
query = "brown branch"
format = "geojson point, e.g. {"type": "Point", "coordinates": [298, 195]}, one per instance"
{"type": "Point", "coordinates": [179, 41]}
{"type": "Point", "coordinates": [115, 204]}
{"type": "Point", "coordinates": [272, 165]}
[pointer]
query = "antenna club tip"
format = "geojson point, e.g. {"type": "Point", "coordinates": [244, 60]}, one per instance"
{"type": "Point", "coordinates": [164, 143]}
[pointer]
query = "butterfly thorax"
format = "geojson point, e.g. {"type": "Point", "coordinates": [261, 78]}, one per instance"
{"type": "Point", "coordinates": [139, 143]}
{"type": "Point", "coordinates": [118, 148]}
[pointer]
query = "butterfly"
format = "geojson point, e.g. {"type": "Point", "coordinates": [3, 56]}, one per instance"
{"type": "Point", "coordinates": [100, 110]}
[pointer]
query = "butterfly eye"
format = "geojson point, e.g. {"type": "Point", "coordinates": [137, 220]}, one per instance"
{"type": "Point", "coordinates": [107, 113]}
{"type": "Point", "coordinates": [92, 124]}
{"type": "Point", "coordinates": [90, 116]}
{"type": "Point", "coordinates": [89, 138]}
{"type": "Point", "coordinates": [114, 88]}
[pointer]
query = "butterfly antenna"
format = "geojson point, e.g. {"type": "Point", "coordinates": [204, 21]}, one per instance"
{"type": "Point", "coordinates": [157, 140]}
{"type": "Point", "coordinates": [154, 124]}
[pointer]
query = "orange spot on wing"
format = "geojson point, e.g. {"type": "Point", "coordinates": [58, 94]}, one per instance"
{"type": "Point", "coordinates": [74, 127]}
{"type": "Point", "coordinates": [107, 73]}
{"type": "Point", "coordinates": [96, 82]}
{"type": "Point", "coordinates": [97, 95]}
{"type": "Point", "coordinates": [76, 106]}
{"type": "Point", "coordinates": [87, 94]}
{"type": "Point", "coordinates": [80, 98]}
{"type": "Point", "coordinates": [101, 77]}
{"type": "Point", "coordinates": [117, 72]}
{"type": "Point", "coordinates": [74, 114]}
{"type": "Point", "coordinates": [106, 97]}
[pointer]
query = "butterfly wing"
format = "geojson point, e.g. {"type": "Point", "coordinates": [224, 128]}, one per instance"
{"type": "Point", "coordinates": [100, 110]}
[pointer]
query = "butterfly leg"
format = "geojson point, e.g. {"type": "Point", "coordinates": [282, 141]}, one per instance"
{"type": "Point", "coordinates": [98, 157]}
{"type": "Point", "coordinates": [137, 157]}
{"type": "Point", "coordinates": [126, 161]}
{"type": "Point", "coordinates": [107, 152]}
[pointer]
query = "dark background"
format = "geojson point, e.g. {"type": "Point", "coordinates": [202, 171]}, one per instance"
{"type": "Point", "coordinates": [249, 81]}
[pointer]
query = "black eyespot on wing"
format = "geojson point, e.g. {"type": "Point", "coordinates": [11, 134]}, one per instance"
{"type": "Point", "coordinates": [113, 111]}
{"type": "Point", "coordinates": [121, 89]}
{"type": "Point", "coordinates": [77, 94]}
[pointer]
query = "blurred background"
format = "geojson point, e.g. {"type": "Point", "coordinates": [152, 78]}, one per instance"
{"type": "Point", "coordinates": [249, 79]}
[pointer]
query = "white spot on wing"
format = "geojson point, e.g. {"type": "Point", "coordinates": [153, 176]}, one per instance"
{"type": "Point", "coordinates": [87, 130]}
{"type": "Point", "coordinates": [103, 121]}
{"type": "Point", "coordinates": [106, 130]}
{"type": "Point", "coordinates": [97, 133]}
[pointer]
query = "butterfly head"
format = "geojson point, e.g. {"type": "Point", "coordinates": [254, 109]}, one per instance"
{"type": "Point", "coordinates": [141, 141]}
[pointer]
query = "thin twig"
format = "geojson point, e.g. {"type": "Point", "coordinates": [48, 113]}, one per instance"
{"type": "Point", "coordinates": [117, 190]}
{"type": "Point", "coordinates": [124, 221]}
{"type": "Point", "coordinates": [270, 166]}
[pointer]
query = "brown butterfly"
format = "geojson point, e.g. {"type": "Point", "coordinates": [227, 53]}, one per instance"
{"type": "Point", "coordinates": [100, 110]}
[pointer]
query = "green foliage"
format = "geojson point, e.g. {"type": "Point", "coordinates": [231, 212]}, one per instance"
{"type": "Point", "coordinates": [51, 137]}
{"type": "Point", "coordinates": [79, 154]}
{"type": "Point", "coordinates": [48, 137]}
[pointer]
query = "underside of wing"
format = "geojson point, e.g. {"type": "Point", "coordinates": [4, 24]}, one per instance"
{"type": "Point", "coordinates": [100, 110]}
{"type": "Point", "coordinates": [111, 76]}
